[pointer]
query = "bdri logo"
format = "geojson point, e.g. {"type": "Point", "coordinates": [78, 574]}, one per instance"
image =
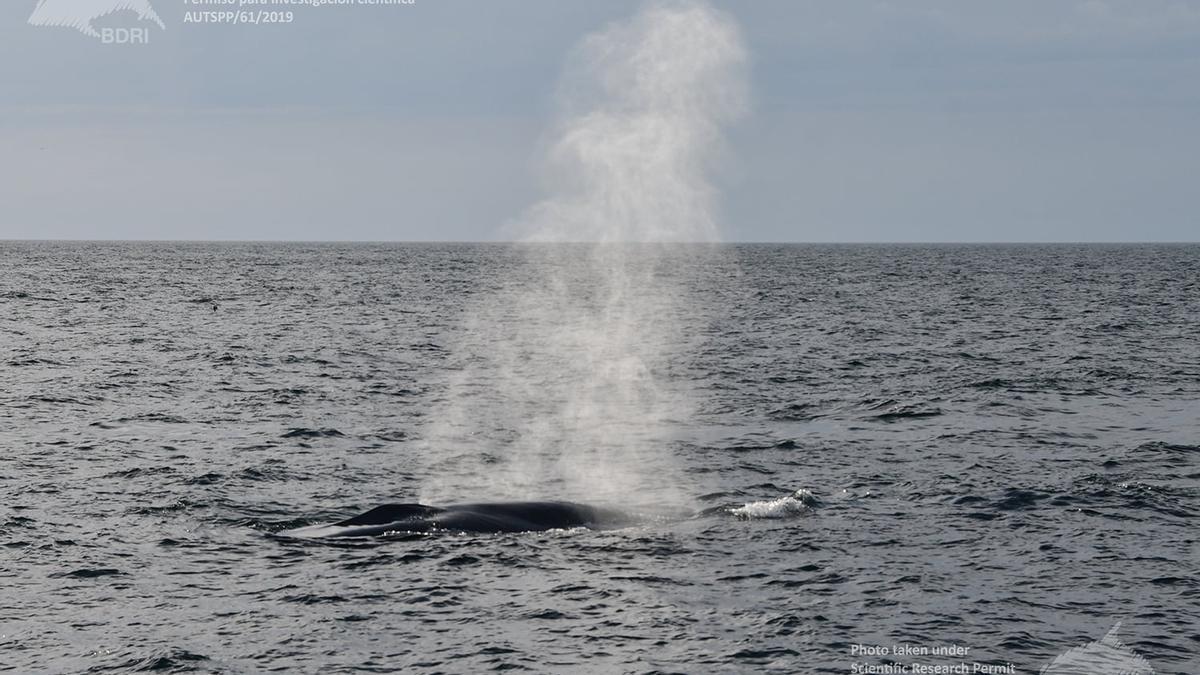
{"type": "Point", "coordinates": [79, 14]}
{"type": "Point", "coordinates": [1106, 656]}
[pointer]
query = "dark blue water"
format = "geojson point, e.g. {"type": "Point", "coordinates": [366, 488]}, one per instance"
{"type": "Point", "coordinates": [997, 447]}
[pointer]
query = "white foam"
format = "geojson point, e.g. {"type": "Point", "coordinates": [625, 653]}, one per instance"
{"type": "Point", "coordinates": [798, 503]}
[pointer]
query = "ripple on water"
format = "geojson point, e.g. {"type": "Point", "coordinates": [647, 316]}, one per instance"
{"type": "Point", "coordinates": [1003, 439]}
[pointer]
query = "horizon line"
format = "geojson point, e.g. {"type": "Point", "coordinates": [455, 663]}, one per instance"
{"type": "Point", "coordinates": [916, 242]}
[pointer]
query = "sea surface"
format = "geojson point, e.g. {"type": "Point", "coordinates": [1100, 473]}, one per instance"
{"type": "Point", "coordinates": [994, 448]}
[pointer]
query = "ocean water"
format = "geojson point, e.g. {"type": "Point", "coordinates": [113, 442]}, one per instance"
{"type": "Point", "coordinates": [991, 447]}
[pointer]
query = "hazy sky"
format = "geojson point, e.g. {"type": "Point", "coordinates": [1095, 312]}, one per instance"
{"type": "Point", "coordinates": [937, 120]}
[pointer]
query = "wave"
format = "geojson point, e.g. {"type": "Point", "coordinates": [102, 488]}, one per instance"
{"type": "Point", "coordinates": [1115, 497]}
{"type": "Point", "coordinates": [901, 411]}
{"type": "Point", "coordinates": [798, 503]}
{"type": "Point", "coordinates": [167, 660]}
{"type": "Point", "coordinates": [24, 295]}
{"type": "Point", "coordinates": [301, 432]}
{"type": "Point", "coordinates": [88, 573]}
{"type": "Point", "coordinates": [796, 412]}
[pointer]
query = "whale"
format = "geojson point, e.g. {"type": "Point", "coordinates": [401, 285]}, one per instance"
{"type": "Point", "coordinates": [484, 517]}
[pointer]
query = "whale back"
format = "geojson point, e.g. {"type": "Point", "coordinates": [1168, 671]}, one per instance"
{"type": "Point", "coordinates": [481, 517]}
{"type": "Point", "coordinates": [516, 516]}
{"type": "Point", "coordinates": [390, 513]}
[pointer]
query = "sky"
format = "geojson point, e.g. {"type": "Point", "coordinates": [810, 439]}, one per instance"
{"type": "Point", "coordinates": [869, 121]}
